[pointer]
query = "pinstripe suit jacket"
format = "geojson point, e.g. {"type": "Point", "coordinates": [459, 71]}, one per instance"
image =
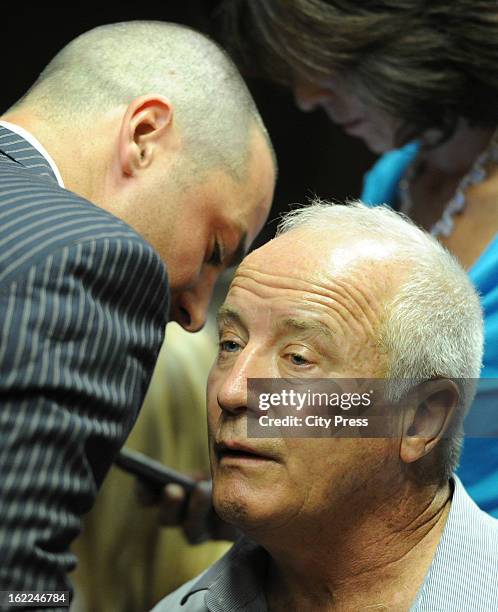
{"type": "Point", "coordinates": [83, 306]}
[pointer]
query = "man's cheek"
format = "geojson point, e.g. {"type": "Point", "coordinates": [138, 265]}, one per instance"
{"type": "Point", "coordinates": [213, 413]}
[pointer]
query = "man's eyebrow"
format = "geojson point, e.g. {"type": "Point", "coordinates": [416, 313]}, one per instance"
{"type": "Point", "coordinates": [239, 253]}
{"type": "Point", "coordinates": [228, 313]}
{"type": "Point", "coordinates": [307, 325]}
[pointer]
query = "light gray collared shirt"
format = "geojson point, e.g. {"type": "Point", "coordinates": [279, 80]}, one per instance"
{"type": "Point", "coordinates": [463, 576]}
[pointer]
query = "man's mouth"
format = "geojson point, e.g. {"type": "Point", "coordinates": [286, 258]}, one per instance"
{"type": "Point", "coordinates": [232, 451]}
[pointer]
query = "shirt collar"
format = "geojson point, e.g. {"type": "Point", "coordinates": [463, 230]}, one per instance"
{"type": "Point", "coordinates": [236, 581]}
{"type": "Point", "coordinates": [34, 142]}
{"type": "Point", "coordinates": [461, 550]}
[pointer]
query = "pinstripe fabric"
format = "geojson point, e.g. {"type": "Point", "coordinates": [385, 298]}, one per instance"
{"type": "Point", "coordinates": [83, 305]}
{"type": "Point", "coordinates": [463, 576]}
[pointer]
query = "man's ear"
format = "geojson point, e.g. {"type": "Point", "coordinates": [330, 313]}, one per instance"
{"type": "Point", "coordinates": [145, 122]}
{"type": "Point", "coordinates": [436, 403]}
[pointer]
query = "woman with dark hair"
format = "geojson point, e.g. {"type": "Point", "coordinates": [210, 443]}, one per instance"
{"type": "Point", "coordinates": [418, 82]}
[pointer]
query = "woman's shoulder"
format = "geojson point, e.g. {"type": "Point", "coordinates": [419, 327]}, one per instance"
{"type": "Point", "coordinates": [484, 272]}
{"type": "Point", "coordinates": [380, 184]}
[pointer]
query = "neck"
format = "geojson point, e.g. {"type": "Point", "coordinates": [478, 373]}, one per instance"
{"type": "Point", "coordinates": [456, 156]}
{"type": "Point", "coordinates": [359, 559]}
{"type": "Point", "coordinates": [67, 147]}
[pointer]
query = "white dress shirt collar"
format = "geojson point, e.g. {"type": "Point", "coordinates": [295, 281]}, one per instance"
{"type": "Point", "coordinates": [17, 129]}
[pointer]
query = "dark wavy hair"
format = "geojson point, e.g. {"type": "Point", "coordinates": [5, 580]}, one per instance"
{"type": "Point", "coordinates": [424, 62]}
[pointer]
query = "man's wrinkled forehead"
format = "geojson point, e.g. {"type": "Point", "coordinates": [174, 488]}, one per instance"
{"type": "Point", "coordinates": [346, 284]}
{"type": "Point", "coordinates": [281, 322]}
{"type": "Point", "coordinates": [312, 254]}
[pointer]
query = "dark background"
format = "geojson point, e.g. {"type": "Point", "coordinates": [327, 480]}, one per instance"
{"type": "Point", "coordinates": [314, 156]}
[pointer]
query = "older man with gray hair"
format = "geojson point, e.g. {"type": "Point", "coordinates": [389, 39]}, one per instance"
{"type": "Point", "coordinates": [335, 522]}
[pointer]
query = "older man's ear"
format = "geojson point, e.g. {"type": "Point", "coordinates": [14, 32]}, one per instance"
{"type": "Point", "coordinates": [436, 405]}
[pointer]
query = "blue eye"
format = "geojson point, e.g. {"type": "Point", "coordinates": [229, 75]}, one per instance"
{"type": "Point", "coordinates": [298, 359]}
{"type": "Point", "coordinates": [228, 346]}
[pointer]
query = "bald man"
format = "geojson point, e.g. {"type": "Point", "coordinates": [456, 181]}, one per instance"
{"type": "Point", "coordinates": [132, 173]}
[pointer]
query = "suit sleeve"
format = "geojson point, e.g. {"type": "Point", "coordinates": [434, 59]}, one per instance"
{"type": "Point", "coordinates": [79, 338]}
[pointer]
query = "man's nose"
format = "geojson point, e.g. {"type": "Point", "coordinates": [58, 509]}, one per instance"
{"type": "Point", "coordinates": [233, 391]}
{"type": "Point", "coordinates": [189, 308]}
{"type": "Point", "coordinates": [308, 95]}
{"type": "Point", "coordinates": [232, 395]}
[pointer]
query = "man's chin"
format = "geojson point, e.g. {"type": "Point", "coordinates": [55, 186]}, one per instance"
{"type": "Point", "coordinates": [245, 509]}
{"type": "Point", "coordinates": [232, 511]}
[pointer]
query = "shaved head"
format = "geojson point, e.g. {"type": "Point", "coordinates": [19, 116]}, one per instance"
{"type": "Point", "coordinates": [112, 65]}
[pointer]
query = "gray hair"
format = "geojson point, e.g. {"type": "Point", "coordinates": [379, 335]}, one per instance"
{"type": "Point", "coordinates": [433, 325]}
{"type": "Point", "coordinates": [113, 64]}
